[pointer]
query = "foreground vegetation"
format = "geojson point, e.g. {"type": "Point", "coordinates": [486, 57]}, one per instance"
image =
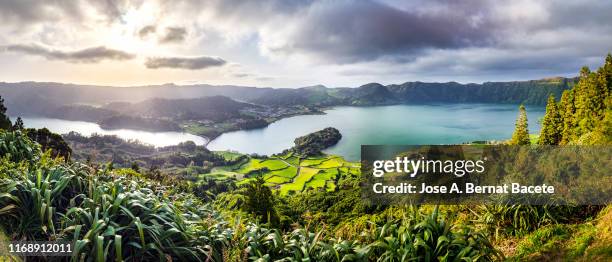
{"type": "Point", "coordinates": [125, 216]}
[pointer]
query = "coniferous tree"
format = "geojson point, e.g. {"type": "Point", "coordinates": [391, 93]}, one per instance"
{"type": "Point", "coordinates": [589, 100]}
{"type": "Point", "coordinates": [567, 110]}
{"type": "Point", "coordinates": [260, 200]}
{"type": "Point", "coordinates": [607, 71]}
{"type": "Point", "coordinates": [5, 122]}
{"type": "Point", "coordinates": [550, 134]}
{"type": "Point", "coordinates": [18, 124]}
{"type": "Point", "coordinates": [586, 109]}
{"type": "Point", "coordinates": [521, 131]}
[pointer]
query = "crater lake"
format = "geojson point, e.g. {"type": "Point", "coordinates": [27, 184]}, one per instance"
{"type": "Point", "coordinates": [386, 125]}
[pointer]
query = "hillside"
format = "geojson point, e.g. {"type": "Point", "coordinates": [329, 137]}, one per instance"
{"type": "Point", "coordinates": [43, 95]}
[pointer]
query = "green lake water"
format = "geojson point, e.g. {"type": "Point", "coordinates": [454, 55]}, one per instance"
{"type": "Point", "coordinates": [386, 125]}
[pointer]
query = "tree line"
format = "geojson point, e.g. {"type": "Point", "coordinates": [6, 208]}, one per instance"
{"type": "Point", "coordinates": [583, 115]}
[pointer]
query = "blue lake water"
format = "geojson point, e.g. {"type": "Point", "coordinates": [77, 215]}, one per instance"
{"type": "Point", "coordinates": [386, 125]}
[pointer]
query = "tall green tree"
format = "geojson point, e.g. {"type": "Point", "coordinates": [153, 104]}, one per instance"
{"type": "Point", "coordinates": [586, 109]}
{"type": "Point", "coordinates": [550, 134]}
{"type": "Point", "coordinates": [607, 71]}
{"type": "Point", "coordinates": [567, 110]}
{"type": "Point", "coordinates": [5, 122]}
{"type": "Point", "coordinates": [18, 124]}
{"type": "Point", "coordinates": [521, 131]}
{"type": "Point", "coordinates": [260, 201]}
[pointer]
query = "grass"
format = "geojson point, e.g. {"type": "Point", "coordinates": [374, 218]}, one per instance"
{"type": "Point", "coordinates": [601, 249]}
{"type": "Point", "coordinates": [544, 242]}
{"type": "Point", "coordinates": [4, 249]}
{"type": "Point", "coordinates": [229, 155]}
{"type": "Point", "coordinates": [299, 181]}
{"type": "Point", "coordinates": [281, 171]}
{"type": "Point", "coordinates": [293, 160]}
{"type": "Point", "coordinates": [277, 180]}
{"type": "Point", "coordinates": [194, 128]}
{"type": "Point", "coordinates": [288, 172]}
{"type": "Point", "coordinates": [221, 174]}
{"type": "Point", "coordinates": [286, 156]}
{"type": "Point", "coordinates": [259, 164]}
{"type": "Point", "coordinates": [330, 186]}
{"type": "Point", "coordinates": [312, 162]}
{"type": "Point", "coordinates": [323, 177]}
{"type": "Point", "coordinates": [332, 163]}
{"type": "Point", "coordinates": [564, 242]}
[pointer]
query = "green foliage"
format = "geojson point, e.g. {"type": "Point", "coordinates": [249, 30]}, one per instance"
{"type": "Point", "coordinates": [5, 122]}
{"type": "Point", "coordinates": [585, 110]}
{"type": "Point", "coordinates": [17, 147]}
{"type": "Point", "coordinates": [50, 141]}
{"type": "Point", "coordinates": [551, 125]}
{"type": "Point", "coordinates": [521, 132]}
{"type": "Point", "coordinates": [313, 143]}
{"type": "Point", "coordinates": [259, 200]}
{"type": "Point", "coordinates": [567, 109]}
{"type": "Point", "coordinates": [556, 242]}
{"type": "Point", "coordinates": [416, 237]}
{"type": "Point", "coordinates": [177, 159]}
{"type": "Point", "coordinates": [109, 215]}
{"type": "Point", "coordinates": [518, 220]}
{"type": "Point", "coordinates": [18, 124]}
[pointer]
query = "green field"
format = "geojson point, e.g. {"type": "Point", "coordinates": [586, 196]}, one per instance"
{"type": "Point", "coordinates": [312, 162]}
{"type": "Point", "coordinates": [281, 171]}
{"type": "Point", "coordinates": [322, 178]}
{"type": "Point", "coordinates": [332, 163]}
{"type": "Point", "coordinates": [276, 180]}
{"type": "Point", "coordinates": [259, 164]}
{"type": "Point", "coordinates": [299, 181]}
{"type": "Point", "coordinates": [288, 172]}
{"type": "Point", "coordinates": [229, 155]}
{"type": "Point", "coordinates": [221, 173]}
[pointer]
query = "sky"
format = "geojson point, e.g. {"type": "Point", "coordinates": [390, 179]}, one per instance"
{"type": "Point", "coordinates": [295, 43]}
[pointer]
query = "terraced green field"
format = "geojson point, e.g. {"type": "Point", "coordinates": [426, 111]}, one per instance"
{"type": "Point", "coordinates": [332, 163]}
{"type": "Point", "coordinates": [288, 173]}
{"type": "Point", "coordinates": [323, 177]}
{"type": "Point", "coordinates": [305, 175]}
{"type": "Point", "coordinates": [259, 164]}
{"type": "Point", "coordinates": [276, 180]}
{"type": "Point", "coordinates": [312, 162]}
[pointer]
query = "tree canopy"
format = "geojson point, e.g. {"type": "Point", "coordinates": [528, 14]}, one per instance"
{"type": "Point", "coordinates": [5, 122]}
{"type": "Point", "coordinates": [521, 131]}
{"type": "Point", "coordinates": [584, 113]}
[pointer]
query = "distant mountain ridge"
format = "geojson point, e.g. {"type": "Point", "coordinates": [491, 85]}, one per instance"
{"type": "Point", "coordinates": [30, 97]}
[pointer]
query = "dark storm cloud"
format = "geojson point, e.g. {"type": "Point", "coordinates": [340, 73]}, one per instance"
{"type": "Point", "coordinates": [174, 35]}
{"type": "Point", "coordinates": [191, 63]}
{"type": "Point", "coordinates": [366, 30]}
{"type": "Point", "coordinates": [87, 55]}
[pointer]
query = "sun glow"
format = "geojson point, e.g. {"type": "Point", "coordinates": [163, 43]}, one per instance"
{"type": "Point", "coordinates": [124, 32]}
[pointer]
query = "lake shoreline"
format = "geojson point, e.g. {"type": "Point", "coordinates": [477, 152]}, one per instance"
{"type": "Point", "coordinates": [431, 123]}
{"type": "Point", "coordinates": [435, 116]}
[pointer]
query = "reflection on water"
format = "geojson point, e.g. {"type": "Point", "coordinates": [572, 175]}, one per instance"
{"type": "Point", "coordinates": [158, 139]}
